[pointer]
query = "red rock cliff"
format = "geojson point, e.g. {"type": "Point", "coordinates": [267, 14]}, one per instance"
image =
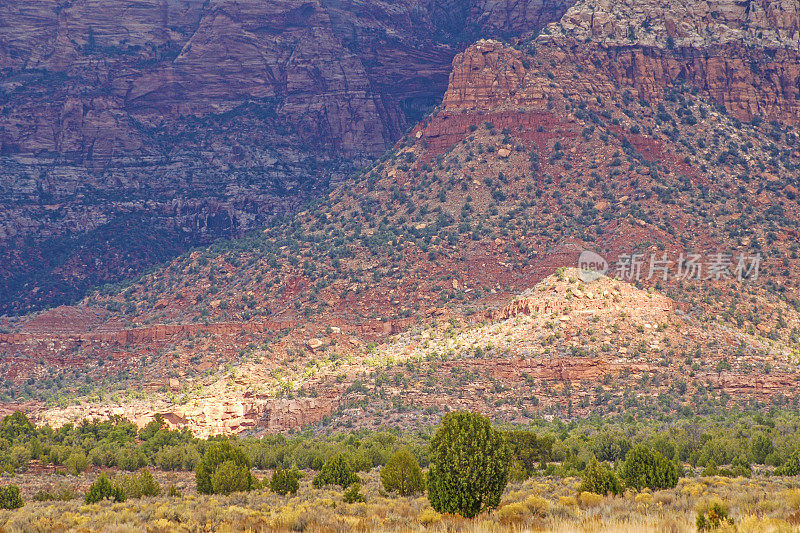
{"type": "Point", "coordinates": [744, 55]}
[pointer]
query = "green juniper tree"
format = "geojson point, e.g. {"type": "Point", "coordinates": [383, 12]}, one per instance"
{"type": "Point", "coordinates": [230, 477]}
{"type": "Point", "coordinates": [597, 478]}
{"type": "Point", "coordinates": [102, 489]}
{"type": "Point", "coordinates": [791, 467]}
{"type": "Point", "coordinates": [644, 467]}
{"type": "Point", "coordinates": [337, 471]}
{"type": "Point", "coordinates": [353, 494]}
{"type": "Point", "coordinates": [235, 477]}
{"type": "Point", "coordinates": [402, 474]}
{"type": "Point", "coordinates": [469, 465]}
{"type": "Point", "coordinates": [285, 481]}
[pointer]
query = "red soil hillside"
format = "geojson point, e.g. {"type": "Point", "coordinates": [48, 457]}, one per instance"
{"type": "Point", "coordinates": [375, 300]}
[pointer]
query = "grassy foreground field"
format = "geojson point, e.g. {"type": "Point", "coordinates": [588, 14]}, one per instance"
{"type": "Point", "coordinates": [760, 504]}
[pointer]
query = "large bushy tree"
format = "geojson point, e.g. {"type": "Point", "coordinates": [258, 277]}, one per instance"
{"type": "Point", "coordinates": [469, 465]}
{"type": "Point", "coordinates": [528, 449]}
{"type": "Point", "coordinates": [230, 477]}
{"type": "Point", "coordinates": [337, 471]}
{"type": "Point", "coordinates": [760, 448]}
{"type": "Point", "coordinates": [644, 467]}
{"type": "Point", "coordinates": [610, 446]}
{"type": "Point", "coordinates": [16, 426]}
{"type": "Point", "coordinates": [235, 477]}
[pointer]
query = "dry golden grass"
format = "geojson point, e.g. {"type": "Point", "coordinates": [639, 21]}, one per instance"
{"type": "Point", "coordinates": [768, 505]}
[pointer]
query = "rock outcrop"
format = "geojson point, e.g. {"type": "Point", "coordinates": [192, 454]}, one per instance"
{"type": "Point", "coordinates": [744, 55]}
{"type": "Point", "coordinates": [488, 75]}
{"type": "Point", "coordinates": [204, 416]}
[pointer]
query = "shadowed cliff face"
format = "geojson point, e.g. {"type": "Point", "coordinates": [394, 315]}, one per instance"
{"type": "Point", "coordinates": [134, 130]}
{"type": "Point", "coordinates": [337, 72]}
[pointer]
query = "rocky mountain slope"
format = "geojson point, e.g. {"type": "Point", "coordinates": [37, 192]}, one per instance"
{"type": "Point", "coordinates": [400, 290]}
{"type": "Point", "coordinates": [563, 348]}
{"type": "Point", "coordinates": [134, 131]}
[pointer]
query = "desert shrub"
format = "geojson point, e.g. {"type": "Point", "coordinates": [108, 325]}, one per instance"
{"type": "Point", "coordinates": [219, 453]}
{"type": "Point", "coordinates": [469, 465]}
{"type": "Point", "coordinates": [511, 512]}
{"type": "Point", "coordinates": [20, 457]}
{"type": "Point", "coordinates": [793, 499]}
{"type": "Point", "coordinates": [598, 479]}
{"type": "Point", "coordinates": [337, 471]}
{"type": "Point", "coordinates": [590, 499]}
{"type": "Point", "coordinates": [285, 481]}
{"type": "Point", "coordinates": [138, 485]}
{"type": "Point", "coordinates": [429, 517]}
{"type": "Point", "coordinates": [10, 497]}
{"type": "Point", "coordinates": [402, 474]}
{"type": "Point", "coordinates": [760, 448]}
{"type": "Point", "coordinates": [645, 468]}
{"type": "Point", "coordinates": [130, 458]}
{"type": "Point", "coordinates": [791, 467]}
{"type": "Point", "coordinates": [537, 505]}
{"type": "Point", "coordinates": [76, 462]}
{"type": "Point", "coordinates": [102, 489]}
{"type": "Point", "coordinates": [58, 492]}
{"type": "Point", "coordinates": [713, 518]}
{"type": "Point", "coordinates": [644, 499]}
{"type": "Point", "coordinates": [567, 501]}
{"type": "Point", "coordinates": [353, 494]}
{"type": "Point", "coordinates": [16, 426]}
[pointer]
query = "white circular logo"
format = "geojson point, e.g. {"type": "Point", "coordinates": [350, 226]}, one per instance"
{"type": "Point", "coordinates": [591, 266]}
